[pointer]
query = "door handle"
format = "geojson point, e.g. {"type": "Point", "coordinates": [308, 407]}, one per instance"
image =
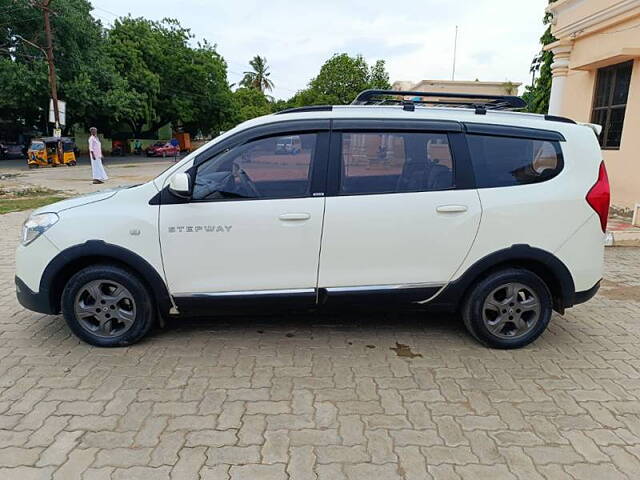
{"type": "Point", "coordinates": [451, 208]}
{"type": "Point", "coordinates": [294, 217]}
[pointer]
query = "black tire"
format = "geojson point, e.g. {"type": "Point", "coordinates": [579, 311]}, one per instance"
{"type": "Point", "coordinates": [474, 311]}
{"type": "Point", "coordinates": [143, 307]}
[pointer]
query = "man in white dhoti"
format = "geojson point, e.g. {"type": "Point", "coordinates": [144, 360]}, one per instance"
{"type": "Point", "coordinates": [95, 152]}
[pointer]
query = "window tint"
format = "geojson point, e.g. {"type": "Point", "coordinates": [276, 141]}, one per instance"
{"type": "Point", "coordinates": [395, 162]}
{"type": "Point", "coordinates": [610, 101]}
{"type": "Point", "coordinates": [275, 167]}
{"type": "Point", "coordinates": [506, 161]}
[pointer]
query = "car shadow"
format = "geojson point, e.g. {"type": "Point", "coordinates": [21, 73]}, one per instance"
{"type": "Point", "coordinates": [305, 325]}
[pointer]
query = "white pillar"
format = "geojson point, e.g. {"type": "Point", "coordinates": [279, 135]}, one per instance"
{"type": "Point", "coordinates": [559, 70]}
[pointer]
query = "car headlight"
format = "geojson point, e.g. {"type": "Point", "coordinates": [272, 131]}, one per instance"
{"type": "Point", "coordinates": [36, 225]}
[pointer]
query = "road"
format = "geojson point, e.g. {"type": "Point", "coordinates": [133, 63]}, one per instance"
{"type": "Point", "coordinates": [18, 164]}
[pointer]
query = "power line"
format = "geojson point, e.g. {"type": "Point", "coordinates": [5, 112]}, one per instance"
{"type": "Point", "coordinates": [107, 11]}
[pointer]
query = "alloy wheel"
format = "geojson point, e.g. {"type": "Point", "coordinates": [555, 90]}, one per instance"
{"type": "Point", "coordinates": [105, 308]}
{"type": "Point", "coordinates": [511, 310]}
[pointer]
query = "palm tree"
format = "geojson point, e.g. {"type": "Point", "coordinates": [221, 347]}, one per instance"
{"type": "Point", "coordinates": [259, 77]}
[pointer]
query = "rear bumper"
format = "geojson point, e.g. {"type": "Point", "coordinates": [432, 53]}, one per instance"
{"type": "Point", "coordinates": [37, 302]}
{"type": "Point", "coordinates": [586, 295]}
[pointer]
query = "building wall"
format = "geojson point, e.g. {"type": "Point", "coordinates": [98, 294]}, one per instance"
{"type": "Point", "coordinates": [459, 86]}
{"type": "Point", "coordinates": [613, 40]}
{"type": "Point", "coordinates": [572, 13]}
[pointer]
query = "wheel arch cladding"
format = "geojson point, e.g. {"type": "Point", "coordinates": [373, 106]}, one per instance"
{"type": "Point", "coordinates": [68, 262]}
{"type": "Point", "coordinates": [547, 266]}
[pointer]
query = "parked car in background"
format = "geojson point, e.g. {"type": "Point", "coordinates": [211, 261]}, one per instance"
{"type": "Point", "coordinates": [290, 145]}
{"type": "Point", "coordinates": [13, 151]}
{"type": "Point", "coordinates": [3, 151]}
{"type": "Point", "coordinates": [163, 149]}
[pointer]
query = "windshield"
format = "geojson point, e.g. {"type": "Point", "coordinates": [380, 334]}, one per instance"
{"type": "Point", "coordinates": [37, 146]}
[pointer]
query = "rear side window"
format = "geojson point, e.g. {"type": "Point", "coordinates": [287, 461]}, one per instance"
{"type": "Point", "coordinates": [378, 162]}
{"type": "Point", "coordinates": [507, 161]}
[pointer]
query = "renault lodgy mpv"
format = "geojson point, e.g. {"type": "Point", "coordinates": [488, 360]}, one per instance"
{"type": "Point", "coordinates": [445, 201]}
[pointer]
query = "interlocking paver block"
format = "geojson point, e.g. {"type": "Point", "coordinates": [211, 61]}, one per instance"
{"type": "Point", "coordinates": [216, 399]}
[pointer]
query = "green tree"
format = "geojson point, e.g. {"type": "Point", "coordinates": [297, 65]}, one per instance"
{"type": "Point", "coordinates": [258, 78]}
{"type": "Point", "coordinates": [339, 81]}
{"type": "Point", "coordinates": [249, 103]}
{"type": "Point", "coordinates": [24, 87]}
{"type": "Point", "coordinates": [537, 95]}
{"type": "Point", "coordinates": [168, 80]}
{"type": "Point", "coordinates": [378, 76]}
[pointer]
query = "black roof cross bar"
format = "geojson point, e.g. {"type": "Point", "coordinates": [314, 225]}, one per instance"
{"type": "Point", "coordinates": [471, 100]}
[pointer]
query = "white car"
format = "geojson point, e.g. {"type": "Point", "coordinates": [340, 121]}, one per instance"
{"type": "Point", "coordinates": [458, 206]}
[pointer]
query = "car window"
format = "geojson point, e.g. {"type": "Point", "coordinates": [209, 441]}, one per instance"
{"type": "Point", "coordinates": [506, 161]}
{"type": "Point", "coordinates": [395, 162]}
{"type": "Point", "coordinates": [273, 167]}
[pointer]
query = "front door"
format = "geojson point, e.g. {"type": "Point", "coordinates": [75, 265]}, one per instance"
{"type": "Point", "coordinates": [252, 228]}
{"type": "Point", "coordinates": [397, 222]}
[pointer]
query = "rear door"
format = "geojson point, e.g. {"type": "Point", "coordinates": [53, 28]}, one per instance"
{"type": "Point", "coordinates": [401, 212]}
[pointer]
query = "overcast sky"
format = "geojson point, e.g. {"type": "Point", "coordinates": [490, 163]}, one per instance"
{"type": "Point", "coordinates": [496, 41]}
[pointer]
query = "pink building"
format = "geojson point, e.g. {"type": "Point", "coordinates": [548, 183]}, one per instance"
{"type": "Point", "coordinates": [596, 78]}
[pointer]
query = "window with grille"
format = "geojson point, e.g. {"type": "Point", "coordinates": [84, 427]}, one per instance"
{"type": "Point", "coordinates": [610, 102]}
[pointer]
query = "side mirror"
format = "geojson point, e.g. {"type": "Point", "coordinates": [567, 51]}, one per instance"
{"type": "Point", "coordinates": [179, 185]}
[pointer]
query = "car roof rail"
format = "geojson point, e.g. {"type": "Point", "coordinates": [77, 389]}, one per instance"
{"type": "Point", "coordinates": [480, 102]}
{"type": "Point", "coordinates": [310, 108]}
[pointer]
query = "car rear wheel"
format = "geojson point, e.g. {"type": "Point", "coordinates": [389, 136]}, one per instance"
{"type": "Point", "coordinates": [509, 308]}
{"type": "Point", "coordinates": [107, 306]}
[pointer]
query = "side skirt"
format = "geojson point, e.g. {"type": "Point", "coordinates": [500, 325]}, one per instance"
{"type": "Point", "coordinates": [375, 297]}
{"type": "Point", "coordinates": [257, 301]}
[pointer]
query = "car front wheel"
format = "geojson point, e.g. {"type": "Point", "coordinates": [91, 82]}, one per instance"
{"type": "Point", "coordinates": [509, 308]}
{"type": "Point", "coordinates": [107, 306]}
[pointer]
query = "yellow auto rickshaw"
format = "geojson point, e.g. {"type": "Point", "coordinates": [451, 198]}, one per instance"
{"type": "Point", "coordinates": [43, 152]}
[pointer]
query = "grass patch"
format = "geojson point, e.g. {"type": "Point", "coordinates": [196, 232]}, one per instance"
{"type": "Point", "coordinates": [28, 192]}
{"type": "Point", "coordinates": [8, 205]}
{"type": "Point", "coordinates": [19, 199]}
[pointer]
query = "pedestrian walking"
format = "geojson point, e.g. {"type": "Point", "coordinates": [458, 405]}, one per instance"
{"type": "Point", "coordinates": [176, 148]}
{"type": "Point", "coordinates": [95, 152]}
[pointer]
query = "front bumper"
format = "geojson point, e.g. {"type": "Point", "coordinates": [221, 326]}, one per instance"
{"type": "Point", "coordinates": [37, 302]}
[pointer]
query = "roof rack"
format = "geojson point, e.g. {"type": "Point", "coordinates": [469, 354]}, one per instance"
{"type": "Point", "coordinates": [480, 102]}
{"type": "Point", "coordinates": [310, 108]}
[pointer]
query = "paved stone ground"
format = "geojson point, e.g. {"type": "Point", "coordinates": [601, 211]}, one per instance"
{"type": "Point", "coordinates": [74, 180]}
{"type": "Point", "coordinates": [323, 397]}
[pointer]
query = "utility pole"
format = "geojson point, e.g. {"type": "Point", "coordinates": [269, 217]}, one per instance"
{"type": "Point", "coordinates": [48, 53]}
{"type": "Point", "coordinates": [44, 6]}
{"type": "Point", "coordinates": [455, 51]}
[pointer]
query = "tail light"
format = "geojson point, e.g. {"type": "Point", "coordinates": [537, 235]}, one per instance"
{"type": "Point", "coordinates": [599, 197]}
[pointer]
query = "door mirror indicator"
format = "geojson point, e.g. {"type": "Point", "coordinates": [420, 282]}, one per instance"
{"type": "Point", "coordinates": [180, 186]}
